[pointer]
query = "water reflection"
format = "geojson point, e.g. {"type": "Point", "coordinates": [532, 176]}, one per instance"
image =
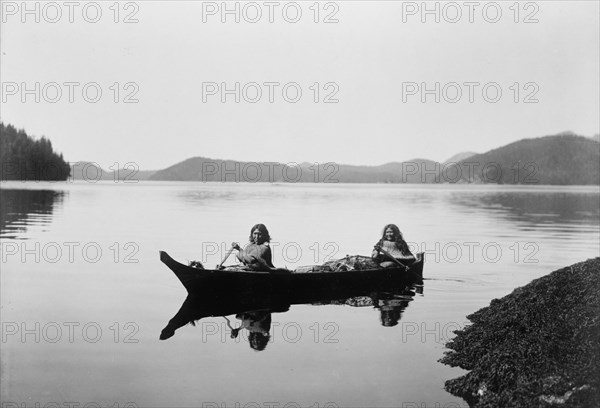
{"type": "Point", "coordinates": [23, 208]}
{"type": "Point", "coordinates": [253, 312]}
{"type": "Point", "coordinates": [533, 208]}
{"type": "Point", "coordinates": [391, 306]}
{"type": "Point", "coordinates": [258, 324]}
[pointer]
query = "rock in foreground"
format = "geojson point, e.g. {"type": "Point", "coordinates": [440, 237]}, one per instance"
{"type": "Point", "coordinates": [537, 347]}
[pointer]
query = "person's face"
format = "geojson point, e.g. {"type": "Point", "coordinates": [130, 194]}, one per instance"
{"type": "Point", "coordinates": [257, 236]}
{"type": "Point", "coordinates": [389, 234]}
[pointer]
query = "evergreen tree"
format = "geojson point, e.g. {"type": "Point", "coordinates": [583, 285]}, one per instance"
{"type": "Point", "coordinates": [24, 158]}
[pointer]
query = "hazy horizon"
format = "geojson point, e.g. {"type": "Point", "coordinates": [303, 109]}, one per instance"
{"type": "Point", "coordinates": [107, 164]}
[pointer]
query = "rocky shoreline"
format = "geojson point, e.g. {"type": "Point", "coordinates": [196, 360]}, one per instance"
{"type": "Point", "coordinates": [536, 347]}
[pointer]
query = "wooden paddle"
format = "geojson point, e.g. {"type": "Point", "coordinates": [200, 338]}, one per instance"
{"type": "Point", "coordinates": [226, 255]}
{"type": "Point", "coordinates": [391, 257]}
{"type": "Point", "coordinates": [234, 332]}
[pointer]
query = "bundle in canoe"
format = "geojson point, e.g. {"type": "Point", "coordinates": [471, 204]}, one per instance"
{"type": "Point", "coordinates": [306, 282]}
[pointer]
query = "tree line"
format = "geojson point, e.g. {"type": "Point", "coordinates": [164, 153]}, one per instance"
{"type": "Point", "coordinates": [24, 158]}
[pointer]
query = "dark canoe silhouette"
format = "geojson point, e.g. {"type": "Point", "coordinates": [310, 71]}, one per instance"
{"type": "Point", "coordinates": [289, 285]}
{"type": "Point", "coordinates": [222, 293]}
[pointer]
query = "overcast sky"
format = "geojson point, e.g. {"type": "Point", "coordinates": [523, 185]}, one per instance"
{"type": "Point", "coordinates": [367, 63]}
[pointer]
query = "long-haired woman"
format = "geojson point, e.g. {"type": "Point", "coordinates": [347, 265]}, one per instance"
{"type": "Point", "coordinates": [392, 245]}
{"type": "Point", "coordinates": [257, 254]}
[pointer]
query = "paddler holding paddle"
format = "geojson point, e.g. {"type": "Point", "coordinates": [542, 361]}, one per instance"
{"type": "Point", "coordinates": [391, 251]}
{"type": "Point", "coordinates": [257, 254]}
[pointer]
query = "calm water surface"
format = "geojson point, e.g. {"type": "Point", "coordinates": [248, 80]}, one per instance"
{"type": "Point", "coordinates": [84, 296]}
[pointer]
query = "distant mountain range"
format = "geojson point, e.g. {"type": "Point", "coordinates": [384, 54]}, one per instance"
{"type": "Point", "coordinates": [92, 172]}
{"type": "Point", "coordinates": [205, 169]}
{"type": "Point", "coordinates": [459, 156]}
{"type": "Point", "coordinates": [563, 159]}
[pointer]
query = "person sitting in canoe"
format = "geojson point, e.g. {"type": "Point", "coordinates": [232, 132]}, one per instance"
{"type": "Point", "coordinates": [257, 254]}
{"type": "Point", "coordinates": [391, 251]}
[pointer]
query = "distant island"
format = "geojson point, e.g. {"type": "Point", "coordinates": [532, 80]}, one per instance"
{"type": "Point", "coordinates": [563, 159]}
{"type": "Point", "coordinates": [24, 158]}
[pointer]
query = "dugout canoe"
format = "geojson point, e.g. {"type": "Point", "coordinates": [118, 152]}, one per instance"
{"type": "Point", "coordinates": [289, 285]}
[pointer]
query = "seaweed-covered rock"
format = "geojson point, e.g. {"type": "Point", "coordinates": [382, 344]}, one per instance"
{"type": "Point", "coordinates": [537, 347]}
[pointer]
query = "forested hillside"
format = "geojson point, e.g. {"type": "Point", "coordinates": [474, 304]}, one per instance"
{"type": "Point", "coordinates": [25, 158]}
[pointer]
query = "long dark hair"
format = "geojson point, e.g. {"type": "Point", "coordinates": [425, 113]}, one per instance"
{"type": "Point", "coordinates": [263, 230]}
{"type": "Point", "coordinates": [389, 318]}
{"type": "Point", "coordinates": [258, 341]}
{"type": "Point", "coordinates": [400, 242]}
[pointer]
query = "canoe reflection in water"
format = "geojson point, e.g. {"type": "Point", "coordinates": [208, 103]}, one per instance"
{"type": "Point", "coordinates": [390, 304]}
{"type": "Point", "coordinates": [253, 296]}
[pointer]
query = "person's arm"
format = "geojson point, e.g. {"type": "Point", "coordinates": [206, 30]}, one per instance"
{"type": "Point", "coordinates": [268, 257]}
{"type": "Point", "coordinates": [375, 253]}
{"type": "Point", "coordinates": [407, 256]}
{"type": "Point", "coordinates": [265, 258]}
{"type": "Point", "coordinates": [240, 254]}
{"type": "Point", "coordinates": [262, 260]}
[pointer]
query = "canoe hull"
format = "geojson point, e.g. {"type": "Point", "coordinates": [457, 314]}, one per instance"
{"type": "Point", "coordinates": [288, 285]}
